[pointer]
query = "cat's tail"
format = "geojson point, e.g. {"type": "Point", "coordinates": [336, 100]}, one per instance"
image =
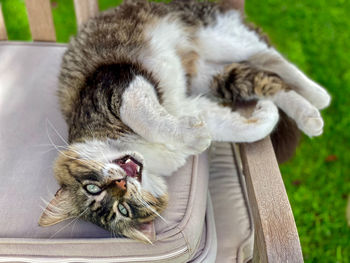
{"type": "Point", "coordinates": [285, 138]}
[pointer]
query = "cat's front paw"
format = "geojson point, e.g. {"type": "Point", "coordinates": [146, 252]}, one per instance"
{"type": "Point", "coordinates": [261, 123]}
{"type": "Point", "coordinates": [266, 114]}
{"type": "Point", "coordinates": [194, 134]}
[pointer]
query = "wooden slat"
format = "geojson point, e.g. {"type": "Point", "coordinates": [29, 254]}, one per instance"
{"type": "Point", "coordinates": [40, 20]}
{"type": "Point", "coordinates": [3, 33]}
{"type": "Point", "coordinates": [276, 237]}
{"type": "Point", "coordinates": [84, 9]}
{"type": "Point", "coordinates": [233, 4]}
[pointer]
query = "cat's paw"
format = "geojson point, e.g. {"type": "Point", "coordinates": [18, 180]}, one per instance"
{"type": "Point", "coordinates": [311, 122]}
{"type": "Point", "coordinates": [262, 122]}
{"type": "Point", "coordinates": [267, 115]}
{"type": "Point", "coordinates": [317, 95]}
{"type": "Point", "coordinates": [194, 133]}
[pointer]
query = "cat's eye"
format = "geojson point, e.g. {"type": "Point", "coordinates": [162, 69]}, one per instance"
{"type": "Point", "coordinates": [93, 189]}
{"type": "Point", "coordinates": [123, 210]}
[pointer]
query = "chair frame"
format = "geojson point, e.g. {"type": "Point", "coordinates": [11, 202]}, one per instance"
{"type": "Point", "coordinates": [276, 236]}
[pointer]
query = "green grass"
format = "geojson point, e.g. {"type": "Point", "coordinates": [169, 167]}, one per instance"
{"type": "Point", "coordinates": [18, 28]}
{"type": "Point", "coordinates": [315, 35]}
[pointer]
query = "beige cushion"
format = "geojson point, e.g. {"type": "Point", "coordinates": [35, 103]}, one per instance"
{"type": "Point", "coordinates": [229, 205]}
{"type": "Point", "coordinates": [207, 249]}
{"type": "Point", "coordinates": [28, 107]}
{"type": "Point", "coordinates": [233, 219]}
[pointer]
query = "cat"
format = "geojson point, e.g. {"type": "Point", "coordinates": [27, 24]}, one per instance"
{"type": "Point", "coordinates": [144, 86]}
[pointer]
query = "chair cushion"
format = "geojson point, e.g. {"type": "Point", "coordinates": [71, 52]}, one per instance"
{"type": "Point", "coordinates": [31, 126]}
{"type": "Point", "coordinates": [229, 205]}
{"type": "Point", "coordinates": [233, 219]}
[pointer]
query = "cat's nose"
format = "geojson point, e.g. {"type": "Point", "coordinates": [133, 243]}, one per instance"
{"type": "Point", "coordinates": [121, 183]}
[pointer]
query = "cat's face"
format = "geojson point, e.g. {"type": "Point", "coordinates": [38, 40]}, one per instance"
{"type": "Point", "coordinates": [114, 193]}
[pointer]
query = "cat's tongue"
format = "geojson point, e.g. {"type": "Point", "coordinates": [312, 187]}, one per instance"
{"type": "Point", "coordinates": [130, 168]}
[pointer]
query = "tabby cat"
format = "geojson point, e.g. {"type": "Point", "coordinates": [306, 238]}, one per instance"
{"type": "Point", "coordinates": [144, 86]}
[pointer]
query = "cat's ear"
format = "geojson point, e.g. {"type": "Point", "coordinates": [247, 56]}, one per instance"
{"type": "Point", "coordinates": [144, 232]}
{"type": "Point", "coordinates": [59, 209]}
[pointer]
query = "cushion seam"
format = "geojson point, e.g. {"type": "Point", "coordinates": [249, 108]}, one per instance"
{"type": "Point", "coordinates": [246, 201]}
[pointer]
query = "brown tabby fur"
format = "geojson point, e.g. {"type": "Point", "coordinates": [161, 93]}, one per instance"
{"type": "Point", "coordinates": [96, 69]}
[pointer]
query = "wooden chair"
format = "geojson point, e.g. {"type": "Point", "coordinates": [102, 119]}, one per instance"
{"type": "Point", "coordinates": [276, 237]}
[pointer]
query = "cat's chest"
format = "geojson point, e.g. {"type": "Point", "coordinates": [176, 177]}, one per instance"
{"type": "Point", "coordinates": [160, 159]}
{"type": "Point", "coordinates": [171, 55]}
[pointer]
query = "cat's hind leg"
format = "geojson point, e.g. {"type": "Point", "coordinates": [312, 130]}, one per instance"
{"type": "Point", "coordinates": [307, 116]}
{"type": "Point", "coordinates": [271, 60]}
{"type": "Point", "coordinates": [143, 113]}
{"type": "Point", "coordinates": [230, 40]}
{"type": "Point", "coordinates": [241, 81]}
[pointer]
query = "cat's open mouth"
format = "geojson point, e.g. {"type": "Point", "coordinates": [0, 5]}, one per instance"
{"type": "Point", "coordinates": [131, 166]}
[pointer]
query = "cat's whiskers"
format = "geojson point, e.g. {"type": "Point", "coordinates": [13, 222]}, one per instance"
{"type": "Point", "coordinates": [48, 144]}
{"type": "Point", "coordinates": [57, 147]}
{"type": "Point", "coordinates": [144, 202]}
{"type": "Point", "coordinates": [49, 205]}
{"type": "Point", "coordinates": [52, 149]}
{"type": "Point", "coordinates": [75, 222]}
{"type": "Point", "coordinates": [48, 122]}
{"type": "Point", "coordinates": [98, 165]}
{"type": "Point", "coordinates": [101, 166]}
{"type": "Point", "coordinates": [114, 235]}
{"type": "Point", "coordinates": [59, 135]}
{"type": "Point", "coordinates": [113, 224]}
{"type": "Point", "coordinates": [68, 224]}
{"type": "Point", "coordinates": [46, 152]}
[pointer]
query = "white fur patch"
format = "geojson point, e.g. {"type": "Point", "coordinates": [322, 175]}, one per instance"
{"type": "Point", "coordinates": [161, 58]}
{"type": "Point", "coordinates": [225, 42]}
{"type": "Point", "coordinates": [226, 125]}
{"type": "Point", "coordinates": [307, 117]}
{"type": "Point", "coordinates": [229, 40]}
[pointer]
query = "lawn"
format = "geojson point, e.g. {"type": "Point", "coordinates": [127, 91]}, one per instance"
{"type": "Point", "coordinates": [315, 35]}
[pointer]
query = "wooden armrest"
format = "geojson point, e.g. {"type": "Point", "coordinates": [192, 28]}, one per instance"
{"type": "Point", "coordinates": [3, 33]}
{"type": "Point", "coordinates": [276, 236]}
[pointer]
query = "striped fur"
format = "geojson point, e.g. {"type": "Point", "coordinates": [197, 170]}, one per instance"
{"type": "Point", "coordinates": [149, 81]}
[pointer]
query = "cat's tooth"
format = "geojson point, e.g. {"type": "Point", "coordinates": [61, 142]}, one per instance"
{"type": "Point", "coordinates": [128, 161]}
{"type": "Point", "coordinates": [138, 169]}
